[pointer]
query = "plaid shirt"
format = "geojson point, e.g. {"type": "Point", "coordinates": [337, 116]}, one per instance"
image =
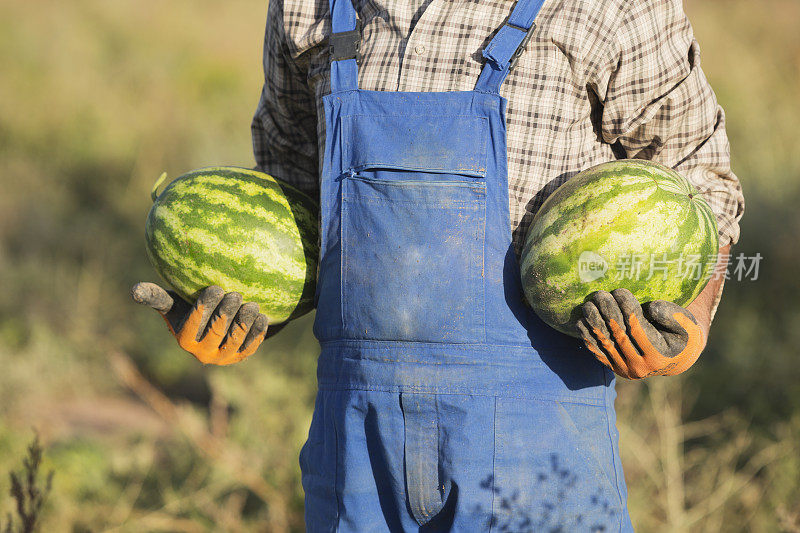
{"type": "Point", "coordinates": [600, 80]}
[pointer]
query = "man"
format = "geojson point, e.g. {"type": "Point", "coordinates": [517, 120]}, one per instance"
{"type": "Point", "coordinates": [431, 132]}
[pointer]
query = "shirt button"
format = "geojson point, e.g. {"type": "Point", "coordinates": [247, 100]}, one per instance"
{"type": "Point", "coordinates": [419, 49]}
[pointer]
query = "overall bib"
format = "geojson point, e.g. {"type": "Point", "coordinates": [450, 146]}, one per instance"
{"type": "Point", "coordinates": [444, 403]}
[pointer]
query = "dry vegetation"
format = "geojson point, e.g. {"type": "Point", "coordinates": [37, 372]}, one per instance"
{"type": "Point", "coordinates": [97, 98]}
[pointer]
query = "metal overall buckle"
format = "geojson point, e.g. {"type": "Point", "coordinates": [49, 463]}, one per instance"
{"type": "Point", "coordinates": [346, 44]}
{"type": "Point", "coordinates": [523, 45]}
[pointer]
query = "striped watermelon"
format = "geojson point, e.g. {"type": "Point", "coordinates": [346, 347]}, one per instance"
{"type": "Point", "coordinates": [242, 230]}
{"type": "Point", "coordinates": [629, 223]}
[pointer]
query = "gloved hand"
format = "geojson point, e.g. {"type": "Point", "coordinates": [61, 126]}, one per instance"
{"type": "Point", "coordinates": [661, 339]}
{"type": "Point", "coordinates": [217, 329]}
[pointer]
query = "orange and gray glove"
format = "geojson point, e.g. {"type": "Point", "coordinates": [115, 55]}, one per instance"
{"type": "Point", "coordinates": [659, 339]}
{"type": "Point", "coordinates": [218, 329]}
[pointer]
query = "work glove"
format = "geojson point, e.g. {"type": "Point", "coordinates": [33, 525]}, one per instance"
{"type": "Point", "coordinates": [659, 339]}
{"type": "Point", "coordinates": [218, 329]}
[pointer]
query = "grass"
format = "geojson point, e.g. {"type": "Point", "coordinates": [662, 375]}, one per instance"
{"type": "Point", "coordinates": [28, 492]}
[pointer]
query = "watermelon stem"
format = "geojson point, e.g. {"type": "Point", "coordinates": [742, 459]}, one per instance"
{"type": "Point", "coordinates": [159, 181]}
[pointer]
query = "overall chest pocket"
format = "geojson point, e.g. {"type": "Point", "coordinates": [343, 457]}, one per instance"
{"type": "Point", "coordinates": [413, 222]}
{"type": "Point", "coordinates": [412, 257]}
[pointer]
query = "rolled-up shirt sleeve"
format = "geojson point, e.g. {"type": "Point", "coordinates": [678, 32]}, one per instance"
{"type": "Point", "coordinates": [284, 127]}
{"type": "Point", "coordinates": [657, 104]}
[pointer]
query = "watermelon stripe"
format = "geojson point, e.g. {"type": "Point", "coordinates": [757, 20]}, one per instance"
{"type": "Point", "coordinates": [192, 276]}
{"type": "Point", "coordinates": [222, 214]}
{"type": "Point", "coordinates": [242, 230]}
{"type": "Point", "coordinates": [591, 218]}
{"type": "Point", "coordinates": [171, 242]}
{"type": "Point", "coordinates": [229, 202]}
{"type": "Point", "coordinates": [586, 200]}
{"type": "Point", "coordinates": [614, 210]}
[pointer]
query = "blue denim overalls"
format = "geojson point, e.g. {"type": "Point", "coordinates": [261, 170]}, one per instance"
{"type": "Point", "coordinates": [444, 403]}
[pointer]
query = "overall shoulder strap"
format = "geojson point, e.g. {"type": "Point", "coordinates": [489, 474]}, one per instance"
{"type": "Point", "coordinates": [507, 45]}
{"type": "Point", "coordinates": [344, 46]}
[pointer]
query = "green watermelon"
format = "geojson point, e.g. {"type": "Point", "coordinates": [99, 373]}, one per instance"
{"type": "Point", "coordinates": [240, 229]}
{"type": "Point", "coordinates": [630, 223]}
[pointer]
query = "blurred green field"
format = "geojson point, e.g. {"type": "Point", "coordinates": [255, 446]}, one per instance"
{"type": "Point", "coordinates": [98, 98]}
